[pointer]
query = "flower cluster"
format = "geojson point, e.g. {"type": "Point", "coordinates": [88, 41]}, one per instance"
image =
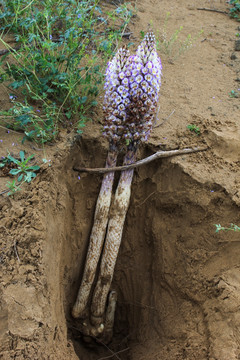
{"type": "Point", "coordinates": [132, 90]}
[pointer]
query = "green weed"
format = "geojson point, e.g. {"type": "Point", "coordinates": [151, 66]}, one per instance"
{"type": "Point", "coordinates": [234, 11]}
{"type": "Point", "coordinates": [59, 64]}
{"type": "Point", "coordinates": [194, 128]}
{"type": "Point", "coordinates": [5, 161]}
{"type": "Point", "coordinates": [232, 227]}
{"type": "Point", "coordinates": [38, 125]}
{"type": "Point", "coordinates": [233, 94]}
{"type": "Point", "coordinates": [25, 171]}
{"type": "Point", "coordinates": [13, 187]}
{"type": "Point", "coordinates": [172, 45]}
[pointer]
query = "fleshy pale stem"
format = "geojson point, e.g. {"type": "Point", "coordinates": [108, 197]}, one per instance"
{"type": "Point", "coordinates": [96, 239]}
{"type": "Point", "coordinates": [112, 242]}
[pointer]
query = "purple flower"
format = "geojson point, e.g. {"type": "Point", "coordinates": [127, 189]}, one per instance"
{"type": "Point", "coordinates": [135, 72]}
{"type": "Point", "coordinates": [124, 94]}
{"type": "Point", "coordinates": [131, 93]}
{"type": "Point", "coordinates": [139, 78]}
{"type": "Point", "coordinates": [121, 75]}
{"type": "Point", "coordinates": [120, 89]}
{"type": "Point", "coordinates": [134, 86]}
{"type": "Point", "coordinates": [79, 16]}
{"type": "Point", "coordinates": [144, 85]}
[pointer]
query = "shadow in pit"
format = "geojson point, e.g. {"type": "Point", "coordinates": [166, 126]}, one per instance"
{"type": "Point", "coordinates": [160, 276]}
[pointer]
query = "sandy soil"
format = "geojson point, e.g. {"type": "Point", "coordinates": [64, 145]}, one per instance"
{"type": "Point", "coordinates": [178, 282]}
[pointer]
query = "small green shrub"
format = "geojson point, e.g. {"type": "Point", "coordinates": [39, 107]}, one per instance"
{"type": "Point", "coordinates": [13, 187]}
{"type": "Point", "coordinates": [24, 171]}
{"type": "Point", "coordinates": [171, 44]}
{"type": "Point", "coordinates": [234, 11]}
{"type": "Point", "coordinates": [59, 64]}
{"type": "Point", "coordinates": [38, 125]}
{"type": "Point", "coordinates": [20, 167]}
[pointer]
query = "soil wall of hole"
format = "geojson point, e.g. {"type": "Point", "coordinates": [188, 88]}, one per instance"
{"type": "Point", "coordinates": [177, 280]}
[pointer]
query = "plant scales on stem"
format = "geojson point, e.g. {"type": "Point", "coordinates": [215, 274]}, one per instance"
{"type": "Point", "coordinates": [142, 81]}
{"type": "Point", "coordinates": [114, 134]}
{"type": "Point", "coordinates": [131, 95]}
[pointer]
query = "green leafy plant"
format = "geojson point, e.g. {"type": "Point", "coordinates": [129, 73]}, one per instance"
{"type": "Point", "coordinates": [232, 227]}
{"type": "Point", "coordinates": [234, 11]}
{"type": "Point", "coordinates": [37, 125]}
{"type": "Point", "coordinates": [142, 34]}
{"type": "Point", "coordinates": [171, 45]}
{"type": "Point", "coordinates": [4, 161]}
{"type": "Point", "coordinates": [24, 171]}
{"type": "Point", "coordinates": [13, 187]}
{"type": "Point", "coordinates": [194, 128]}
{"type": "Point", "coordinates": [62, 49]}
{"type": "Point", "coordinates": [233, 94]}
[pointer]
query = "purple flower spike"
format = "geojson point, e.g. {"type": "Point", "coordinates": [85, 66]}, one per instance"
{"type": "Point", "coordinates": [132, 91]}
{"type": "Point", "coordinates": [117, 88]}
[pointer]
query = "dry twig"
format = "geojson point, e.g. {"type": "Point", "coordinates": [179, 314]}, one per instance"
{"type": "Point", "coordinates": [166, 119]}
{"type": "Point", "coordinates": [213, 10]}
{"type": "Point", "coordinates": [158, 155]}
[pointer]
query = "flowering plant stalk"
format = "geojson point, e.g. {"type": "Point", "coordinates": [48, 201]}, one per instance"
{"type": "Point", "coordinates": [142, 83]}
{"type": "Point", "coordinates": [116, 67]}
{"type": "Point", "coordinates": [132, 91]}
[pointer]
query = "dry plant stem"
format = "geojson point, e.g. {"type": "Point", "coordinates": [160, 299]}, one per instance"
{"type": "Point", "coordinates": [107, 334]}
{"type": "Point", "coordinates": [213, 10]}
{"type": "Point", "coordinates": [96, 239]}
{"type": "Point", "coordinates": [110, 314]}
{"type": "Point", "coordinates": [112, 242]}
{"type": "Point", "coordinates": [157, 155]}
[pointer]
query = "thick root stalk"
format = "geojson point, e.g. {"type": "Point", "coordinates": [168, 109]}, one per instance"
{"type": "Point", "coordinates": [96, 239]}
{"type": "Point", "coordinates": [110, 315]}
{"type": "Point", "coordinates": [112, 242]}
